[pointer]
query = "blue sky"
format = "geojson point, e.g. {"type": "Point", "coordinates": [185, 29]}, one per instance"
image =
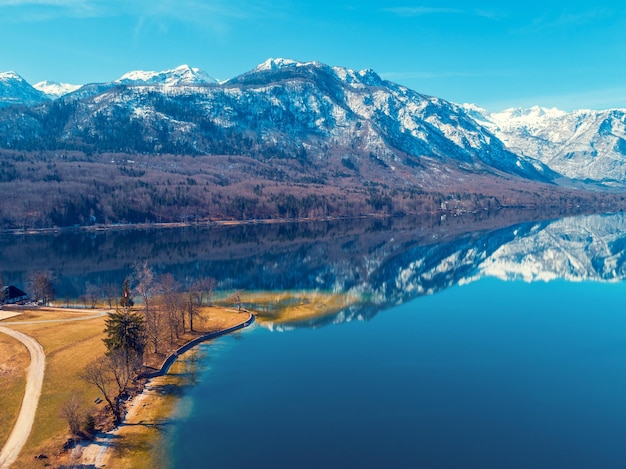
{"type": "Point", "coordinates": [568, 54]}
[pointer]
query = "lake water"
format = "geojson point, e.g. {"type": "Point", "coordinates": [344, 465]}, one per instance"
{"type": "Point", "coordinates": [488, 375]}
{"type": "Point", "coordinates": [518, 362]}
{"type": "Point", "coordinates": [475, 342]}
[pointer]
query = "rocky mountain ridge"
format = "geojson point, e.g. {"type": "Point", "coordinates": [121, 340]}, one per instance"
{"type": "Point", "coordinates": [537, 143]}
{"type": "Point", "coordinates": [584, 144]}
{"type": "Point", "coordinates": [286, 108]}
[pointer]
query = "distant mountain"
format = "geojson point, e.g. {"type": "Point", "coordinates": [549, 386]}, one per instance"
{"type": "Point", "coordinates": [294, 108]}
{"type": "Point", "coordinates": [182, 75]}
{"type": "Point", "coordinates": [307, 111]}
{"type": "Point", "coordinates": [15, 90]}
{"type": "Point", "coordinates": [55, 90]}
{"type": "Point", "coordinates": [584, 144]}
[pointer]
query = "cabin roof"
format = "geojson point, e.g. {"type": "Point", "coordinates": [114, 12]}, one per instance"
{"type": "Point", "coordinates": [11, 291]}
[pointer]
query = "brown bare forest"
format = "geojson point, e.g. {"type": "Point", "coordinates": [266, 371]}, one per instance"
{"type": "Point", "coordinates": [61, 189]}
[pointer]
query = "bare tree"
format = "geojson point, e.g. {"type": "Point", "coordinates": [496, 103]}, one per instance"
{"type": "Point", "coordinates": [192, 308]}
{"type": "Point", "coordinates": [72, 411]}
{"type": "Point", "coordinates": [110, 292]}
{"type": "Point", "coordinates": [200, 293]}
{"type": "Point", "coordinates": [236, 298]}
{"type": "Point", "coordinates": [144, 277]}
{"type": "Point", "coordinates": [41, 284]}
{"type": "Point", "coordinates": [92, 294]}
{"type": "Point", "coordinates": [156, 324]}
{"type": "Point", "coordinates": [98, 373]}
{"type": "Point", "coordinates": [204, 288]}
{"type": "Point", "coordinates": [145, 287]}
{"type": "Point", "coordinates": [170, 303]}
{"type": "Point", "coordinates": [123, 364]}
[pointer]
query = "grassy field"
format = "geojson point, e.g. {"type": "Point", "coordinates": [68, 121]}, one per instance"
{"type": "Point", "coordinates": [13, 365]}
{"type": "Point", "coordinates": [52, 314]}
{"type": "Point", "coordinates": [69, 346]}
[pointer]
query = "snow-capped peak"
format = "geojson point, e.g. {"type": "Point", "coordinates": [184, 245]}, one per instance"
{"type": "Point", "coordinates": [531, 114]}
{"type": "Point", "coordinates": [582, 144]}
{"type": "Point", "coordinates": [11, 75]}
{"type": "Point", "coordinates": [346, 75]}
{"type": "Point", "coordinates": [181, 75]}
{"type": "Point", "coordinates": [15, 90]}
{"type": "Point", "coordinates": [55, 89]}
{"type": "Point", "coordinates": [276, 64]}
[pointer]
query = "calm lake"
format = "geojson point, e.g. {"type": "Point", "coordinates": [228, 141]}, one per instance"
{"type": "Point", "coordinates": [488, 375]}
{"type": "Point", "coordinates": [474, 342]}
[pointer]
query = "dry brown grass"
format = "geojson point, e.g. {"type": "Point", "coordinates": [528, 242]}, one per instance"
{"type": "Point", "coordinates": [13, 365]}
{"type": "Point", "coordinates": [297, 306]}
{"type": "Point", "coordinates": [52, 314]}
{"type": "Point", "coordinates": [69, 346]}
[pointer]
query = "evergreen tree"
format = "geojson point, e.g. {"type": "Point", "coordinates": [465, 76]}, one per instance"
{"type": "Point", "coordinates": [125, 330]}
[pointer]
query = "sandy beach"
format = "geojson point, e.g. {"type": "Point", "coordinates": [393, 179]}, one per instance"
{"type": "Point", "coordinates": [144, 411]}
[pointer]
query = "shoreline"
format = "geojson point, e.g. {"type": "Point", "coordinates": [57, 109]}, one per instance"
{"type": "Point", "coordinates": [203, 223]}
{"type": "Point", "coordinates": [172, 357]}
{"type": "Point", "coordinates": [547, 213]}
{"type": "Point", "coordinates": [144, 412]}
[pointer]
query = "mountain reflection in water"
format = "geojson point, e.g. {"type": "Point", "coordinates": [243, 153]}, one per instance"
{"type": "Point", "coordinates": [383, 262]}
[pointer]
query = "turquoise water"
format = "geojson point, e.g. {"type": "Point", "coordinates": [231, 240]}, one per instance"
{"type": "Point", "coordinates": [488, 375]}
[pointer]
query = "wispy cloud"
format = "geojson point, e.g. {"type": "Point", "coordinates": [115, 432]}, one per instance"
{"type": "Point", "coordinates": [408, 12]}
{"type": "Point", "coordinates": [188, 11]}
{"type": "Point", "coordinates": [17, 11]}
{"type": "Point", "coordinates": [564, 20]}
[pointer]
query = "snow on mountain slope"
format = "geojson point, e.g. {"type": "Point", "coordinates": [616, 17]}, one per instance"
{"type": "Point", "coordinates": [182, 75]}
{"type": "Point", "coordinates": [54, 89]}
{"type": "Point", "coordinates": [385, 114]}
{"type": "Point", "coordinates": [295, 104]}
{"type": "Point", "coordinates": [15, 90]}
{"type": "Point", "coordinates": [293, 108]}
{"type": "Point", "coordinates": [583, 144]}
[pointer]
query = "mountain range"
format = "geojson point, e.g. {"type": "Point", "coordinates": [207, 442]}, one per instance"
{"type": "Point", "coordinates": [584, 144]}
{"type": "Point", "coordinates": [333, 130]}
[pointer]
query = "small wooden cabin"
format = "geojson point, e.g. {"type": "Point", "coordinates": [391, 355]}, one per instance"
{"type": "Point", "coordinates": [11, 295]}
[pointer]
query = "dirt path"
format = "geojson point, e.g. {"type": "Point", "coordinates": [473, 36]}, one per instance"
{"type": "Point", "coordinates": [95, 315]}
{"type": "Point", "coordinates": [8, 314]}
{"type": "Point", "coordinates": [26, 417]}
